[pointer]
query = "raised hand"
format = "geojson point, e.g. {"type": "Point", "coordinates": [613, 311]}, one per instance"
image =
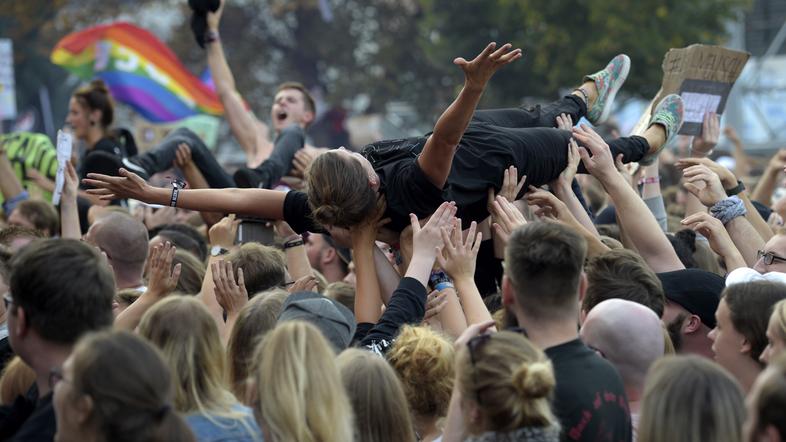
{"type": "Point", "coordinates": [127, 185]}
{"type": "Point", "coordinates": [479, 70]}
{"type": "Point", "coordinates": [511, 187]}
{"type": "Point", "coordinates": [710, 133]}
{"type": "Point", "coordinates": [564, 122]}
{"type": "Point", "coordinates": [508, 217]}
{"type": "Point", "coordinates": [366, 233]}
{"type": "Point", "coordinates": [600, 164]}
{"type": "Point", "coordinates": [306, 283]}
{"type": "Point", "coordinates": [459, 256]}
{"type": "Point", "coordinates": [549, 206]}
{"type": "Point", "coordinates": [162, 277]}
{"type": "Point", "coordinates": [183, 158]}
{"type": "Point", "coordinates": [214, 18]}
{"type": "Point", "coordinates": [231, 294]}
{"type": "Point", "coordinates": [565, 178]}
{"type": "Point", "coordinates": [704, 184]}
{"type": "Point", "coordinates": [426, 239]}
{"type": "Point", "coordinates": [712, 229]}
{"type": "Point", "coordinates": [303, 158]}
{"type": "Point", "coordinates": [435, 302]}
{"type": "Point", "coordinates": [224, 232]}
{"type": "Point", "coordinates": [70, 184]}
{"type": "Point", "coordinates": [728, 179]}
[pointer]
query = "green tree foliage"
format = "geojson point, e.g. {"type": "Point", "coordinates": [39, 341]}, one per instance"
{"type": "Point", "coordinates": [563, 40]}
{"type": "Point", "coordinates": [399, 50]}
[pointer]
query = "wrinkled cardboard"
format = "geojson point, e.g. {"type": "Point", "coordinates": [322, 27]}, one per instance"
{"type": "Point", "coordinates": [707, 69]}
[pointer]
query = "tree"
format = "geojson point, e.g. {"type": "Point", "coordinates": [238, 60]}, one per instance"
{"type": "Point", "coordinates": [564, 40]}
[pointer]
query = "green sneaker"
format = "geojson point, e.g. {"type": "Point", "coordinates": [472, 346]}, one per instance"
{"type": "Point", "coordinates": [608, 82]}
{"type": "Point", "coordinates": [669, 115]}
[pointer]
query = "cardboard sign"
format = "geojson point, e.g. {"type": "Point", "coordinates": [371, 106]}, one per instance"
{"type": "Point", "coordinates": [703, 75]}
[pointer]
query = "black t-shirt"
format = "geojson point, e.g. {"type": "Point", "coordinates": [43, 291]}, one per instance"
{"type": "Point", "coordinates": [483, 154]}
{"type": "Point", "coordinates": [590, 399]}
{"type": "Point", "coordinates": [29, 419]}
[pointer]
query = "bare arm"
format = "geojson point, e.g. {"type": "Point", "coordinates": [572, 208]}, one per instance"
{"type": "Point", "coordinates": [386, 274]}
{"type": "Point", "coordinates": [69, 212]}
{"type": "Point", "coordinates": [634, 216]}
{"type": "Point", "coordinates": [437, 156]}
{"type": "Point", "coordinates": [243, 123]}
{"type": "Point", "coordinates": [368, 300]}
{"type": "Point", "coordinates": [297, 259]}
{"type": "Point", "coordinates": [9, 184]}
{"type": "Point", "coordinates": [262, 203]}
{"type": "Point", "coordinates": [742, 162]}
{"type": "Point", "coordinates": [562, 188]}
{"type": "Point", "coordinates": [729, 181]}
{"type": "Point", "coordinates": [221, 234]}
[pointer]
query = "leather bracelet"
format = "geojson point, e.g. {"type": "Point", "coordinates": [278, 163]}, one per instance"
{"type": "Point", "coordinates": [736, 190]}
{"type": "Point", "coordinates": [294, 243]}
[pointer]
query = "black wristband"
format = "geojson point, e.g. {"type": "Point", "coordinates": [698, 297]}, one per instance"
{"type": "Point", "coordinates": [736, 189]}
{"type": "Point", "coordinates": [173, 199]}
{"type": "Point", "coordinates": [294, 243]}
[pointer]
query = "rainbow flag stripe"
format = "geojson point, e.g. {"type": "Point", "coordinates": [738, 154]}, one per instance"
{"type": "Point", "coordinates": [139, 70]}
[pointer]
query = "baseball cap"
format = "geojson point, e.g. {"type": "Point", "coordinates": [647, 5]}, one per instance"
{"type": "Point", "coordinates": [696, 290]}
{"type": "Point", "coordinates": [336, 322]}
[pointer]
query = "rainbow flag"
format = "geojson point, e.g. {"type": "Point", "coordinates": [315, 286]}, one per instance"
{"type": "Point", "coordinates": [139, 70]}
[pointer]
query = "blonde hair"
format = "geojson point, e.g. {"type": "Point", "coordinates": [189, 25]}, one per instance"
{"type": "Point", "coordinates": [377, 397]}
{"type": "Point", "coordinates": [254, 321]}
{"type": "Point", "coordinates": [511, 380]}
{"type": "Point", "coordinates": [689, 398]}
{"type": "Point", "coordinates": [300, 394]}
{"type": "Point", "coordinates": [16, 380]}
{"type": "Point", "coordinates": [425, 362]}
{"type": "Point", "coordinates": [342, 292]}
{"type": "Point", "coordinates": [778, 318]}
{"type": "Point", "coordinates": [188, 337]}
{"type": "Point", "coordinates": [192, 272]}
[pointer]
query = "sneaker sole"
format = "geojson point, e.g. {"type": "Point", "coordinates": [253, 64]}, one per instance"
{"type": "Point", "coordinates": [615, 87]}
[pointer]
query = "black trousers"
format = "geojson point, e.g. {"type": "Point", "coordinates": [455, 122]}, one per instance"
{"type": "Point", "coordinates": [162, 156]}
{"type": "Point", "coordinates": [540, 149]}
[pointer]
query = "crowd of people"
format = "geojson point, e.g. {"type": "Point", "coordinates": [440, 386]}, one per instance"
{"type": "Point", "coordinates": [512, 275]}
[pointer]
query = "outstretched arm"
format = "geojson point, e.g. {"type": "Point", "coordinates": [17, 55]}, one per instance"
{"type": "Point", "coordinates": [437, 156]}
{"type": "Point", "coordinates": [261, 203]}
{"type": "Point", "coordinates": [634, 216]}
{"type": "Point", "coordinates": [243, 123]}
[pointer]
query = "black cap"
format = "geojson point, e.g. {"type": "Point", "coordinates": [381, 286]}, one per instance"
{"type": "Point", "coordinates": [696, 290]}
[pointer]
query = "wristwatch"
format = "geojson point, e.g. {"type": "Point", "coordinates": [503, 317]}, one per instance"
{"type": "Point", "coordinates": [218, 251]}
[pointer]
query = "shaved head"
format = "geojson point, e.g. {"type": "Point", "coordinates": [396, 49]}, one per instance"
{"type": "Point", "coordinates": [628, 334]}
{"type": "Point", "coordinates": [124, 240]}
